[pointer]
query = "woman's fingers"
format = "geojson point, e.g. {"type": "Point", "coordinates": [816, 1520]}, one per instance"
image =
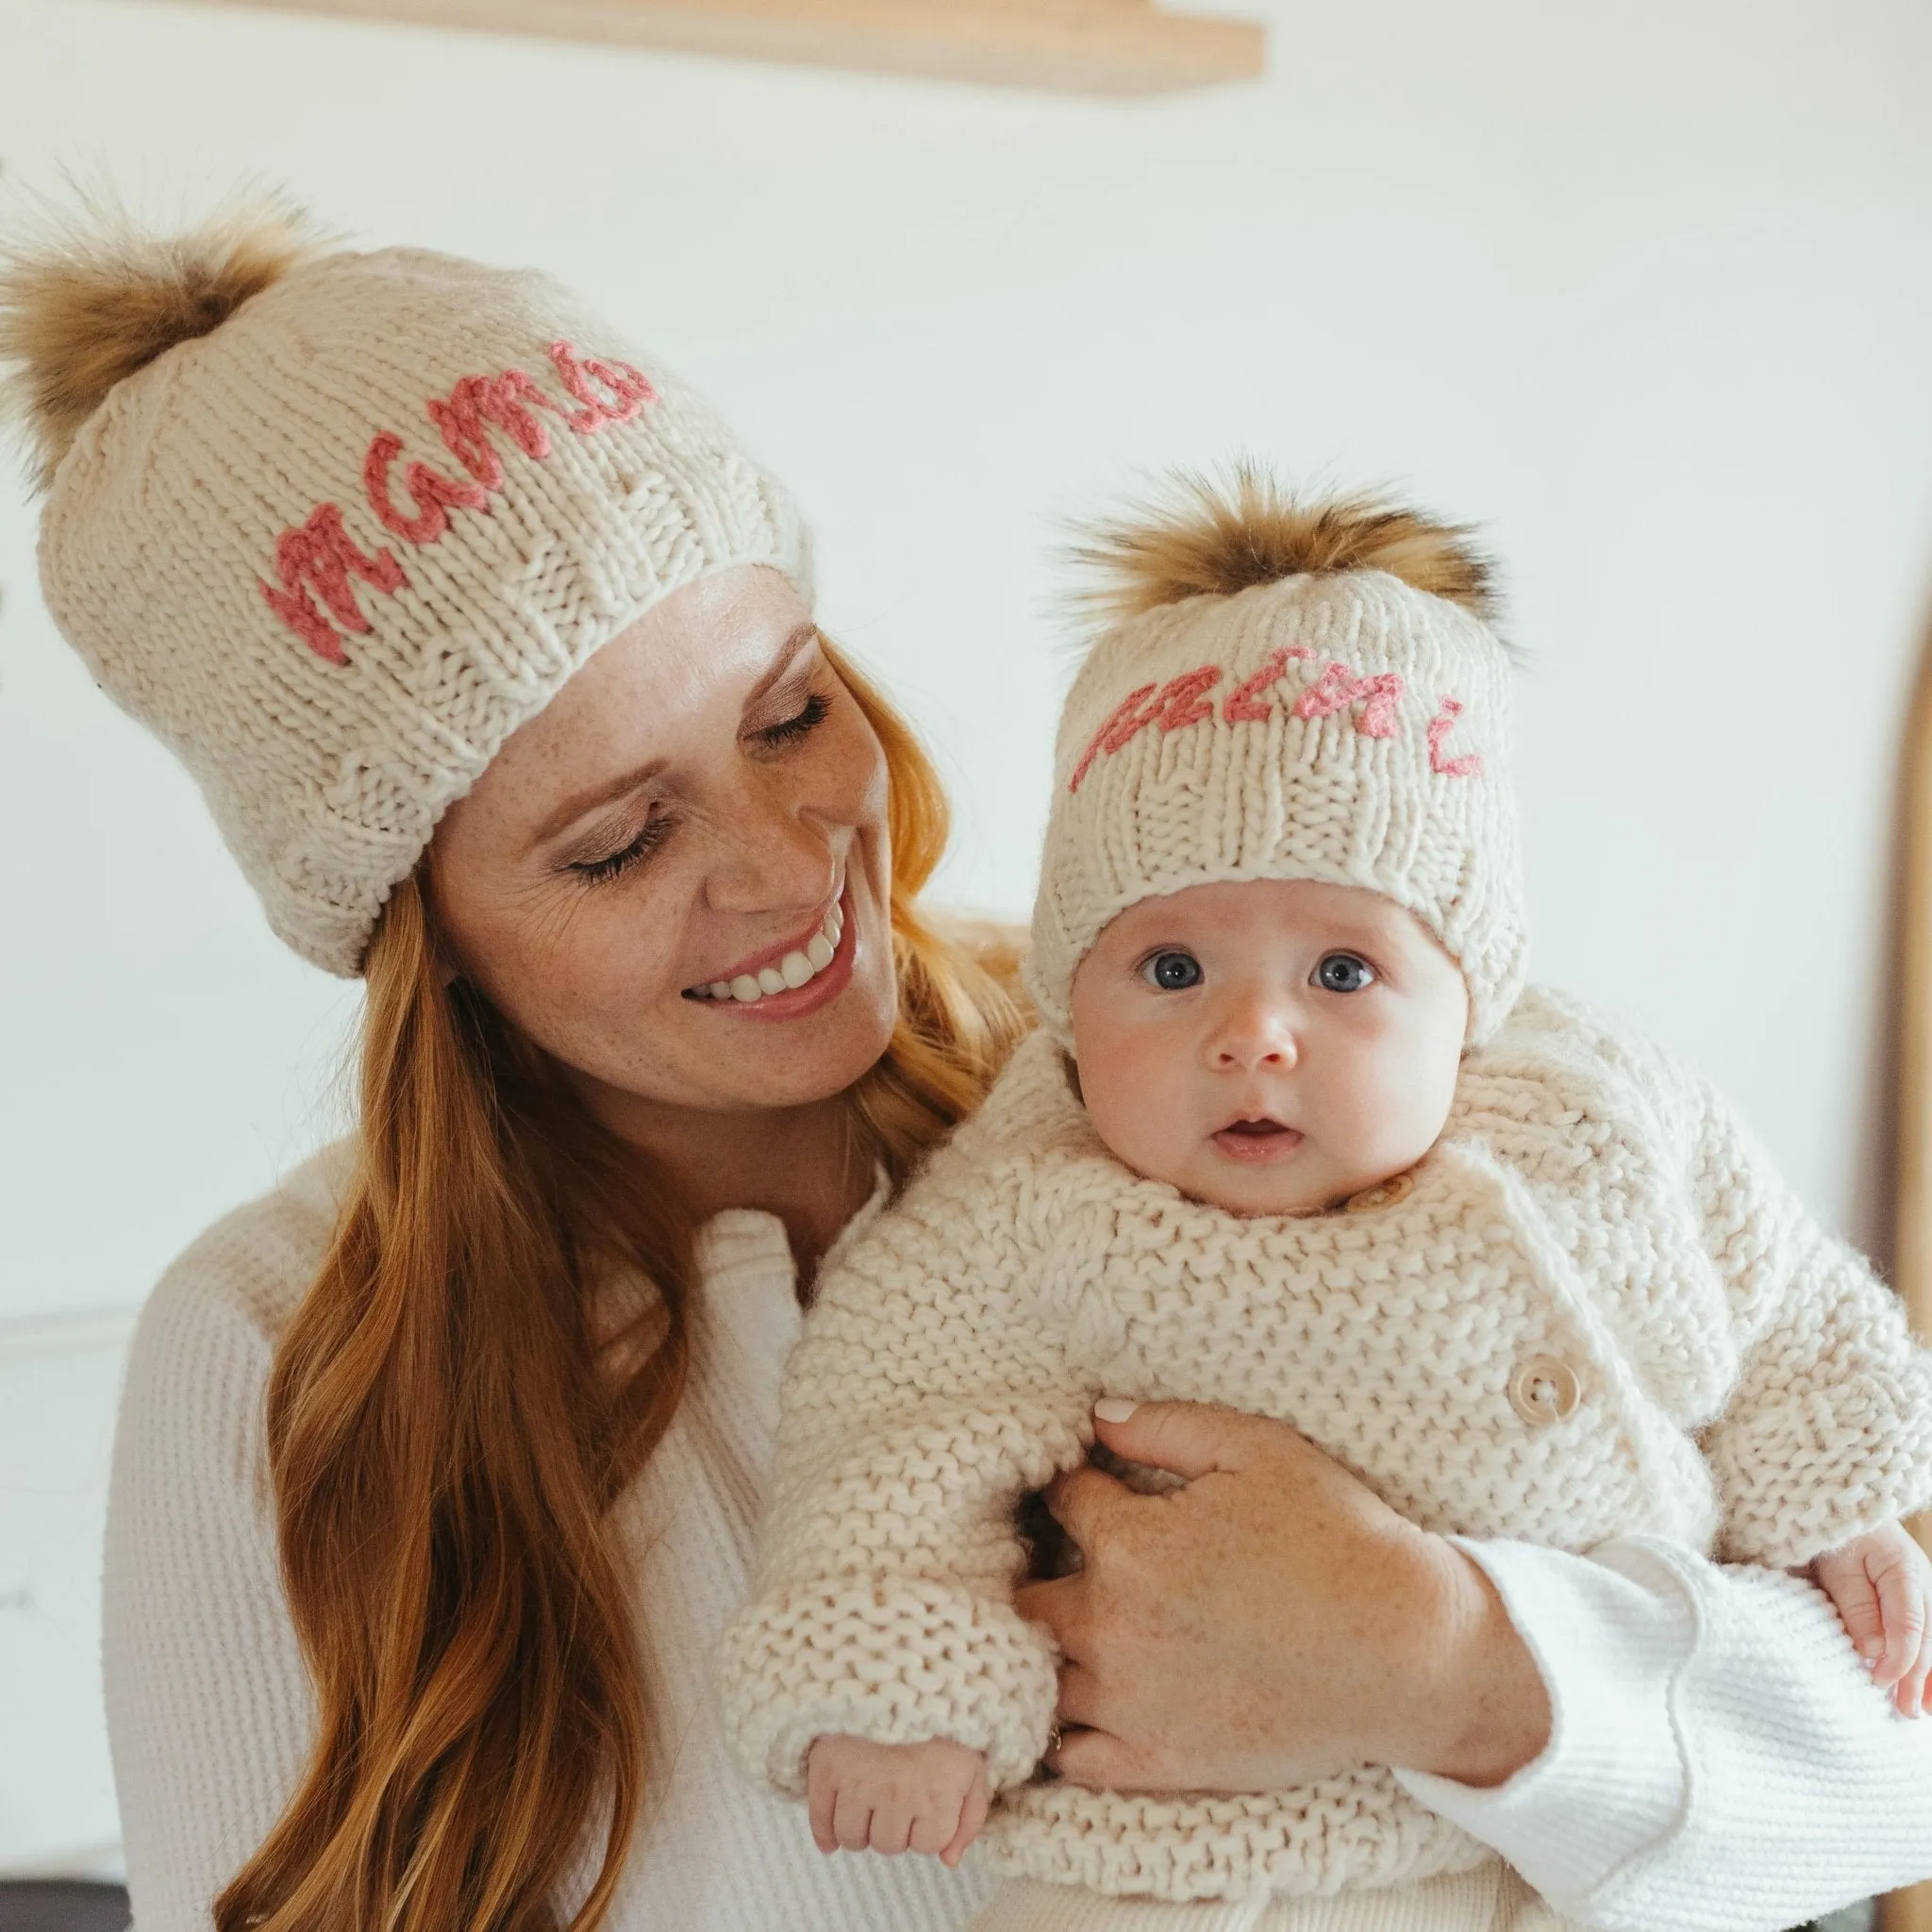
{"type": "Point", "coordinates": [1081, 1697]}
{"type": "Point", "coordinates": [1084, 1501]}
{"type": "Point", "coordinates": [1271, 1622]}
{"type": "Point", "coordinates": [1102, 1763]}
{"type": "Point", "coordinates": [1056, 1606]}
{"type": "Point", "coordinates": [1192, 1439]}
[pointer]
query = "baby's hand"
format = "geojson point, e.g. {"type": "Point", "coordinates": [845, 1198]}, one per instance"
{"type": "Point", "coordinates": [927, 1797]}
{"type": "Point", "coordinates": [1881, 1584]}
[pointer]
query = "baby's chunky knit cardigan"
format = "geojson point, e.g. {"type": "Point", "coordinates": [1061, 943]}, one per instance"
{"type": "Point", "coordinates": [1593, 1310]}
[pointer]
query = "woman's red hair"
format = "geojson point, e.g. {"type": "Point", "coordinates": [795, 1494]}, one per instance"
{"type": "Point", "coordinates": [447, 1431]}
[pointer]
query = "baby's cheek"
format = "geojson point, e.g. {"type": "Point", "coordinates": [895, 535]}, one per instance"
{"type": "Point", "coordinates": [1141, 1105]}
{"type": "Point", "coordinates": [1382, 1112]}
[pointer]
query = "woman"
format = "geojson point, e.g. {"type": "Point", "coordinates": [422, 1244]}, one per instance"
{"type": "Point", "coordinates": [437, 1466]}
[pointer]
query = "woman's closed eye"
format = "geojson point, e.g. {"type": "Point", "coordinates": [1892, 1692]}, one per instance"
{"type": "Point", "coordinates": [801, 723]}
{"type": "Point", "coordinates": [1343, 972]}
{"type": "Point", "coordinates": [652, 833]}
{"type": "Point", "coordinates": [1172, 970]}
{"type": "Point", "coordinates": [656, 828]}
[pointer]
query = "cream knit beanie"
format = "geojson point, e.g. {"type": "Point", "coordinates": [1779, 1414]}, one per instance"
{"type": "Point", "coordinates": [1287, 691]}
{"type": "Point", "coordinates": [334, 524]}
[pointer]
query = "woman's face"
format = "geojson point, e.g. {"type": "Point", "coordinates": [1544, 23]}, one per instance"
{"type": "Point", "coordinates": [697, 819]}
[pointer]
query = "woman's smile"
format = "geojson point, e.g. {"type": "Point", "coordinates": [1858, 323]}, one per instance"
{"type": "Point", "coordinates": [793, 978]}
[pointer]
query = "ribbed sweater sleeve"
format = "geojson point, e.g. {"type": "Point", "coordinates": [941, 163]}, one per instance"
{"type": "Point", "coordinates": [928, 1394]}
{"type": "Point", "coordinates": [1718, 1759]}
{"type": "Point", "coordinates": [209, 1712]}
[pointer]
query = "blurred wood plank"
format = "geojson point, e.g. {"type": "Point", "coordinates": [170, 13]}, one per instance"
{"type": "Point", "coordinates": [1067, 46]}
{"type": "Point", "coordinates": [1911, 1911]}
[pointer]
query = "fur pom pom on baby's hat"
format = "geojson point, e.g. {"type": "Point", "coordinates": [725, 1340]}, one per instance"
{"type": "Point", "coordinates": [1286, 689]}
{"type": "Point", "coordinates": [334, 524]}
{"type": "Point", "coordinates": [1209, 538]}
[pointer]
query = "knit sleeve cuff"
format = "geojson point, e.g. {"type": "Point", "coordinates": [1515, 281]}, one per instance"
{"type": "Point", "coordinates": [899, 1664]}
{"type": "Point", "coordinates": [1793, 1500]}
{"type": "Point", "coordinates": [1612, 1778]}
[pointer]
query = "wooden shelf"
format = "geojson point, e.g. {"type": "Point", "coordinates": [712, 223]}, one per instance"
{"type": "Point", "coordinates": [1067, 46]}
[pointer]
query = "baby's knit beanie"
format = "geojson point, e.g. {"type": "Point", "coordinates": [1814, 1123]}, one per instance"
{"type": "Point", "coordinates": [1287, 690]}
{"type": "Point", "coordinates": [333, 524]}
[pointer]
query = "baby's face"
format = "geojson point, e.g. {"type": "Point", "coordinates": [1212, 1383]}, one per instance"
{"type": "Point", "coordinates": [1271, 1046]}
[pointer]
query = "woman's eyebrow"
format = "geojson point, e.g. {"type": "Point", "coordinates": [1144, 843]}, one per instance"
{"type": "Point", "coordinates": [574, 807]}
{"type": "Point", "coordinates": [806, 633]}
{"type": "Point", "coordinates": [578, 803]}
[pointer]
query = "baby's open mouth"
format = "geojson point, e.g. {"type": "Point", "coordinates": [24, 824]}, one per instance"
{"type": "Point", "coordinates": [1257, 1137]}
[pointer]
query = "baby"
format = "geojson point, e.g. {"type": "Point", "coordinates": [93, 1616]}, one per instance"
{"type": "Point", "coordinates": [1294, 1137]}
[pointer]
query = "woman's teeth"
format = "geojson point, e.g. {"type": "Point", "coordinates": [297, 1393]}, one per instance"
{"type": "Point", "coordinates": [793, 970]}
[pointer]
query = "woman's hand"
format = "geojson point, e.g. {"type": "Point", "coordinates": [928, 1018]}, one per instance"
{"type": "Point", "coordinates": [1270, 1623]}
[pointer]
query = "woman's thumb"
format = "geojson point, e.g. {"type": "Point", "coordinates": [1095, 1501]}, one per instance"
{"type": "Point", "coordinates": [1191, 1439]}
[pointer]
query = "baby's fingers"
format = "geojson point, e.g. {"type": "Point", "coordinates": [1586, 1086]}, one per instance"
{"type": "Point", "coordinates": [934, 1828]}
{"type": "Point", "coordinates": [821, 1795]}
{"type": "Point", "coordinates": [1911, 1692]}
{"type": "Point", "coordinates": [892, 1825]}
{"type": "Point", "coordinates": [1850, 1588]}
{"type": "Point", "coordinates": [852, 1820]}
{"type": "Point", "coordinates": [971, 1821]}
{"type": "Point", "coordinates": [1902, 1607]}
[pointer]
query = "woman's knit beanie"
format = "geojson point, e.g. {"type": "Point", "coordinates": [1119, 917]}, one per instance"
{"type": "Point", "coordinates": [1287, 690]}
{"type": "Point", "coordinates": [333, 524]}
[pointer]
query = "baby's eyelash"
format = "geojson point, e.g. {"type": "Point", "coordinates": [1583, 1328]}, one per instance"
{"type": "Point", "coordinates": [809, 717]}
{"type": "Point", "coordinates": [599, 871]}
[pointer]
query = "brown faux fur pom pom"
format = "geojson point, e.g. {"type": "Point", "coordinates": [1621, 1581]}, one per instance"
{"type": "Point", "coordinates": [1211, 538]}
{"type": "Point", "coordinates": [90, 299]}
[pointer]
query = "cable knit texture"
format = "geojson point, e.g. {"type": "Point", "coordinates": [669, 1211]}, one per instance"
{"type": "Point", "coordinates": [1347, 728]}
{"type": "Point", "coordinates": [1591, 1311]}
{"type": "Point", "coordinates": [334, 553]}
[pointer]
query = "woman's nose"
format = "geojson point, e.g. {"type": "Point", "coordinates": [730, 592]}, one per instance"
{"type": "Point", "coordinates": [773, 861]}
{"type": "Point", "coordinates": [1252, 1036]}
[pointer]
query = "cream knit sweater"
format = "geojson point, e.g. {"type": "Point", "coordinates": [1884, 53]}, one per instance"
{"type": "Point", "coordinates": [1717, 1764]}
{"type": "Point", "coordinates": [208, 1705]}
{"type": "Point", "coordinates": [1591, 1312]}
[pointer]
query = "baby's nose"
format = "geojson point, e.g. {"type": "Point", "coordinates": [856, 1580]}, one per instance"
{"type": "Point", "coordinates": [1253, 1040]}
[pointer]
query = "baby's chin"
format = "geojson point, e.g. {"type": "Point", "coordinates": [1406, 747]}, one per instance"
{"type": "Point", "coordinates": [1263, 1204]}
{"type": "Point", "coordinates": [1264, 1177]}
{"type": "Point", "coordinates": [1273, 1192]}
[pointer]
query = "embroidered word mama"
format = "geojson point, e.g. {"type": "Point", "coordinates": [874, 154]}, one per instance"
{"type": "Point", "coordinates": [316, 560]}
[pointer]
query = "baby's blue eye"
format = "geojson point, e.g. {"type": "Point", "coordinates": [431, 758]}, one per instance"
{"type": "Point", "coordinates": [1173, 972]}
{"type": "Point", "coordinates": [1344, 973]}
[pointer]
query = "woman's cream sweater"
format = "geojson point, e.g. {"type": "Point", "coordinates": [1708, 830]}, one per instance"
{"type": "Point", "coordinates": [1593, 1312]}
{"type": "Point", "coordinates": [209, 1706]}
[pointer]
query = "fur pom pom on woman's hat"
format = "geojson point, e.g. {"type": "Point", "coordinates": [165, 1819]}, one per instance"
{"type": "Point", "coordinates": [333, 524]}
{"type": "Point", "coordinates": [1286, 690]}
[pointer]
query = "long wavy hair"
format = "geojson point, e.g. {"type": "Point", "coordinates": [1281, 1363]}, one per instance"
{"type": "Point", "coordinates": [448, 1429]}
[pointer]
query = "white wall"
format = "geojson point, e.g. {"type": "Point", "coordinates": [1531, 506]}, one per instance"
{"type": "Point", "coordinates": [1643, 287]}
